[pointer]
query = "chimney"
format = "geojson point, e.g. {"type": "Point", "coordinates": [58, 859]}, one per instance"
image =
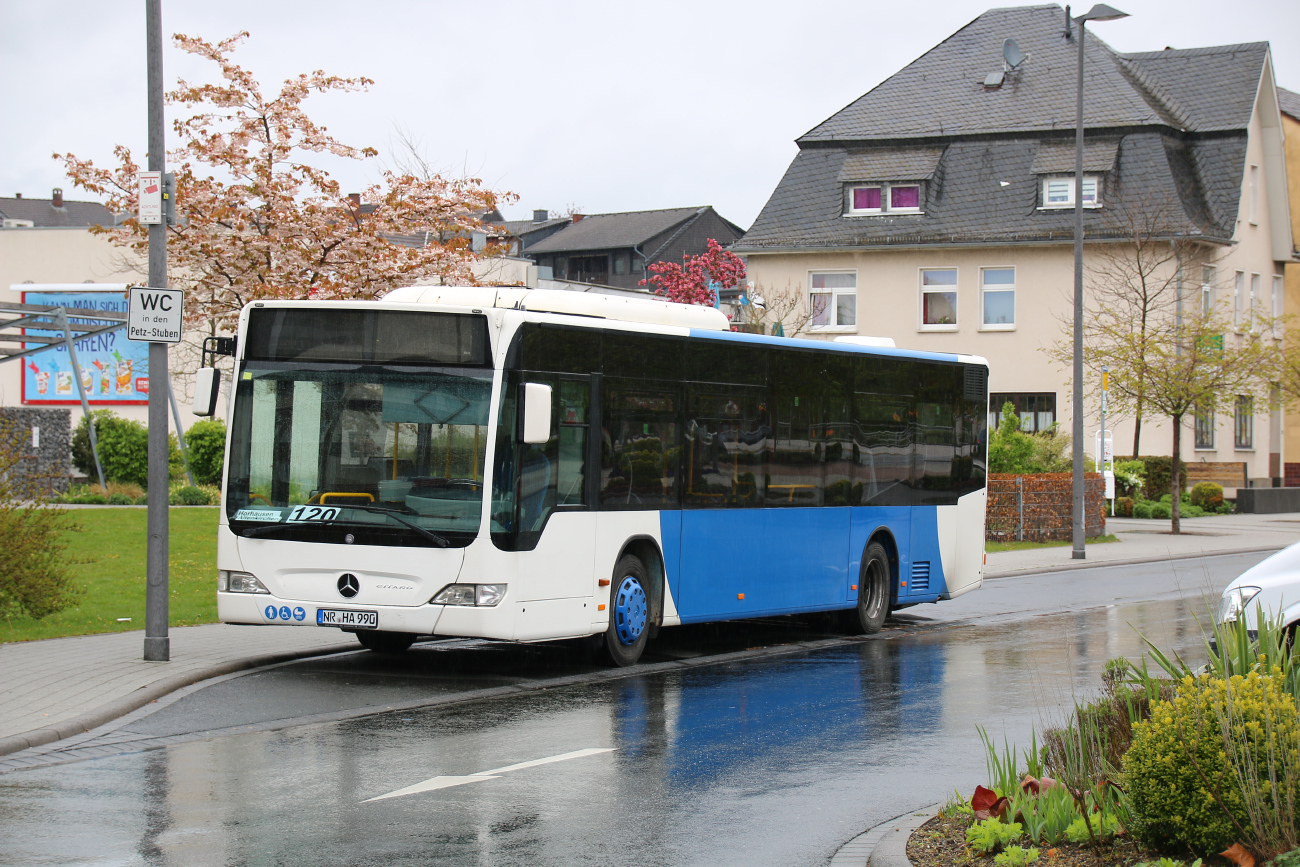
{"type": "Point", "coordinates": [541, 216]}
{"type": "Point", "coordinates": [355, 200]}
{"type": "Point", "coordinates": [58, 197]}
{"type": "Point", "coordinates": [18, 195]}
{"type": "Point", "coordinates": [577, 218]}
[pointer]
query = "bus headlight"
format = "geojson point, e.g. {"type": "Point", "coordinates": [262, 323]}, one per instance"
{"type": "Point", "coordinates": [1234, 602]}
{"type": "Point", "coordinates": [239, 582]}
{"type": "Point", "coordinates": [485, 595]}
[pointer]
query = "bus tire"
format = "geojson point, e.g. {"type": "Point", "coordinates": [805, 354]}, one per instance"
{"type": "Point", "coordinates": [875, 585]}
{"type": "Point", "coordinates": [385, 642]}
{"type": "Point", "coordinates": [629, 612]}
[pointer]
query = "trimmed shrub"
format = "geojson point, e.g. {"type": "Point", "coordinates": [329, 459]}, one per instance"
{"type": "Point", "coordinates": [1124, 507]}
{"type": "Point", "coordinates": [1159, 471]}
{"type": "Point", "coordinates": [205, 444]}
{"type": "Point", "coordinates": [1207, 495]}
{"type": "Point", "coordinates": [1190, 511]}
{"type": "Point", "coordinates": [119, 499]}
{"type": "Point", "coordinates": [1178, 773]}
{"type": "Point", "coordinates": [190, 495]}
{"type": "Point", "coordinates": [123, 449]}
{"type": "Point", "coordinates": [1142, 509]}
{"type": "Point", "coordinates": [1163, 511]}
{"type": "Point", "coordinates": [1166, 499]}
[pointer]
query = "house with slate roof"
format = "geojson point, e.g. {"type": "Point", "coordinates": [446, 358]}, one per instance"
{"type": "Point", "coordinates": [617, 249]}
{"type": "Point", "coordinates": [938, 208]}
{"type": "Point", "coordinates": [1289, 103]}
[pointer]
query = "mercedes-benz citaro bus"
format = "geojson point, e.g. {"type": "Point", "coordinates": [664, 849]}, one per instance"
{"type": "Point", "coordinates": [532, 465]}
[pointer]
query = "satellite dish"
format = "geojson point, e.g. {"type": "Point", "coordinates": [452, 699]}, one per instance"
{"type": "Point", "coordinates": [1012, 54]}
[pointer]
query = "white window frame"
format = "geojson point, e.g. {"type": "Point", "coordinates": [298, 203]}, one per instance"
{"type": "Point", "coordinates": [1089, 180]}
{"type": "Point", "coordinates": [886, 194]}
{"type": "Point", "coordinates": [1208, 275]}
{"type": "Point", "coordinates": [835, 294]}
{"type": "Point", "coordinates": [998, 287]}
{"type": "Point", "coordinates": [1197, 415]}
{"type": "Point", "coordinates": [945, 288]}
{"type": "Point", "coordinates": [1238, 290]}
{"type": "Point", "coordinates": [1256, 291]}
{"type": "Point", "coordinates": [1279, 297]}
{"type": "Point", "coordinates": [1243, 421]}
{"type": "Point", "coordinates": [1254, 196]}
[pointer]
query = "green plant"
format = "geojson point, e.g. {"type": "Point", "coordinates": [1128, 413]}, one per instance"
{"type": "Point", "coordinates": [190, 495]}
{"type": "Point", "coordinates": [1103, 826]}
{"type": "Point", "coordinates": [1288, 859]}
{"type": "Point", "coordinates": [1129, 476]}
{"type": "Point", "coordinates": [1124, 507]}
{"type": "Point", "coordinates": [1142, 509]}
{"type": "Point", "coordinates": [991, 835]}
{"type": "Point", "coordinates": [1016, 856]}
{"type": "Point", "coordinates": [1045, 815]}
{"type": "Point", "coordinates": [123, 449]}
{"type": "Point", "coordinates": [119, 499]}
{"type": "Point", "coordinates": [1158, 473]}
{"type": "Point", "coordinates": [1190, 511]}
{"type": "Point", "coordinates": [1207, 495]}
{"type": "Point", "coordinates": [1167, 862]}
{"type": "Point", "coordinates": [1162, 510]}
{"type": "Point", "coordinates": [205, 446]}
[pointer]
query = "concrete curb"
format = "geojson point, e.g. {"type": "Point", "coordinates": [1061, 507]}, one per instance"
{"type": "Point", "coordinates": [1135, 561]}
{"type": "Point", "coordinates": [885, 845]}
{"type": "Point", "coordinates": [142, 696]}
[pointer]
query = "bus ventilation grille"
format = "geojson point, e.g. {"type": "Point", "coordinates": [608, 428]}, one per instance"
{"type": "Point", "coordinates": [975, 384]}
{"type": "Point", "coordinates": [920, 576]}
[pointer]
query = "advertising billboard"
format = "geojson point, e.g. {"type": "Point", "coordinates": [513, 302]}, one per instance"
{"type": "Point", "coordinates": [114, 370]}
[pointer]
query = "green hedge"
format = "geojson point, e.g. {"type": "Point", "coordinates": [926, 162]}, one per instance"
{"type": "Point", "coordinates": [1158, 474]}
{"type": "Point", "coordinates": [123, 449]}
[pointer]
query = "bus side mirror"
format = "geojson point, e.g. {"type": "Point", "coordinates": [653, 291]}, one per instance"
{"type": "Point", "coordinates": [537, 413]}
{"type": "Point", "coordinates": [207, 385]}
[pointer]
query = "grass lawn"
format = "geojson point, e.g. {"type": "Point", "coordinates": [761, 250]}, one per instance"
{"type": "Point", "coordinates": [112, 541]}
{"type": "Point", "coordinates": [996, 547]}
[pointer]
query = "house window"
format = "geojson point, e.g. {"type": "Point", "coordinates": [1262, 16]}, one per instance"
{"type": "Point", "coordinates": [620, 263]}
{"type": "Point", "coordinates": [1278, 297]}
{"type": "Point", "coordinates": [1254, 195]}
{"type": "Point", "coordinates": [1204, 427]}
{"type": "Point", "coordinates": [939, 299]}
{"type": "Point", "coordinates": [1058, 192]}
{"type": "Point", "coordinates": [998, 290]}
{"type": "Point", "coordinates": [833, 299]}
{"type": "Point", "coordinates": [1037, 411]}
{"type": "Point", "coordinates": [866, 200]}
{"type": "Point", "coordinates": [1207, 289]}
{"type": "Point", "coordinates": [1254, 298]}
{"type": "Point", "coordinates": [1238, 290]}
{"type": "Point", "coordinates": [1243, 428]}
{"type": "Point", "coordinates": [891, 198]}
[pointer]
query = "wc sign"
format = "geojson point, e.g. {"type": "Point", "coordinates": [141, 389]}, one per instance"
{"type": "Point", "coordinates": [155, 315]}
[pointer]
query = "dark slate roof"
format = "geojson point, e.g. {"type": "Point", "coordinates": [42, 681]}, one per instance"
{"type": "Point", "coordinates": [970, 204]}
{"type": "Point", "coordinates": [1167, 130]}
{"type": "Point", "coordinates": [43, 214]}
{"type": "Point", "coordinates": [609, 231]}
{"type": "Point", "coordinates": [941, 93]}
{"type": "Point", "coordinates": [891, 164]}
{"type": "Point", "coordinates": [1289, 102]}
{"type": "Point", "coordinates": [519, 228]}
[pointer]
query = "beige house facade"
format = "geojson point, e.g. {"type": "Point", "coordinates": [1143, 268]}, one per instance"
{"type": "Point", "coordinates": [1289, 103]}
{"type": "Point", "coordinates": [978, 258]}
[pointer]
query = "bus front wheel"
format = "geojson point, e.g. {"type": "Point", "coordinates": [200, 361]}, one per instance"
{"type": "Point", "coordinates": [385, 642]}
{"type": "Point", "coordinates": [629, 612]}
{"type": "Point", "coordinates": [874, 586]}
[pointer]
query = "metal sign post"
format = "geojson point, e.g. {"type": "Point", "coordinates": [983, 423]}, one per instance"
{"type": "Point", "coordinates": [157, 644]}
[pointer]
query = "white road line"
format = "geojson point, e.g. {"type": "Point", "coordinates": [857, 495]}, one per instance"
{"type": "Point", "coordinates": [433, 783]}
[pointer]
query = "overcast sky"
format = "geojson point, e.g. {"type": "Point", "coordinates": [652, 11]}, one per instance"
{"type": "Point", "coordinates": [604, 105]}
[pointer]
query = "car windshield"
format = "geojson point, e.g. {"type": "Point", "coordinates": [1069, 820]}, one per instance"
{"type": "Point", "coordinates": [374, 448]}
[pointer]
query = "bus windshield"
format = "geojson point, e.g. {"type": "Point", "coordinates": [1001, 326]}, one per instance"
{"type": "Point", "coordinates": [368, 449]}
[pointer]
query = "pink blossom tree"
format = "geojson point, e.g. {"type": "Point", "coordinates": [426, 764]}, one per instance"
{"type": "Point", "coordinates": [692, 281]}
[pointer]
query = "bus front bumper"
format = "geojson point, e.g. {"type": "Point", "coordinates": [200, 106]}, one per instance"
{"type": "Point", "coordinates": [263, 609]}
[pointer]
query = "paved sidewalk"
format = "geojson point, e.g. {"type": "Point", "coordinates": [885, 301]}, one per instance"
{"type": "Point", "coordinates": [1142, 541]}
{"type": "Point", "coordinates": [56, 688]}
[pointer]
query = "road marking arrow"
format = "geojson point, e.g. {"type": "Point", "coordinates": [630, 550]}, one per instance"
{"type": "Point", "coordinates": [434, 783]}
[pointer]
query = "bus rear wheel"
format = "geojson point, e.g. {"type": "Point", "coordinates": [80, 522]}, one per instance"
{"type": "Point", "coordinates": [874, 587]}
{"type": "Point", "coordinates": [629, 612]}
{"type": "Point", "coordinates": [385, 642]}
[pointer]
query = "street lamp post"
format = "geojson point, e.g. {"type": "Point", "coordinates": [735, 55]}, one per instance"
{"type": "Point", "coordinates": [1100, 12]}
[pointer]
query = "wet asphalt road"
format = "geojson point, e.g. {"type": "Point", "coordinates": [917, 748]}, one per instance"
{"type": "Point", "coordinates": [776, 758]}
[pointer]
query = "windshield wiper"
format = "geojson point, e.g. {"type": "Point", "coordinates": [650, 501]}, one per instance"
{"type": "Point", "coordinates": [433, 537]}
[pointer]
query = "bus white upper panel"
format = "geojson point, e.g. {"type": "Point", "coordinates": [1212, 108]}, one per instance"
{"type": "Point", "coordinates": [572, 303]}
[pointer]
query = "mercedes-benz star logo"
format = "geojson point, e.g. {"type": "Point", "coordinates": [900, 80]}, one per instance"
{"type": "Point", "coordinates": [349, 586]}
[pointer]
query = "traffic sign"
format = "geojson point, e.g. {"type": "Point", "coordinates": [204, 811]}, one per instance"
{"type": "Point", "coordinates": [155, 315]}
{"type": "Point", "coordinates": [150, 195]}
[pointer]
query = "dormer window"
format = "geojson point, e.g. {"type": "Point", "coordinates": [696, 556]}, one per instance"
{"type": "Point", "coordinates": [885, 198]}
{"type": "Point", "coordinates": [1058, 191]}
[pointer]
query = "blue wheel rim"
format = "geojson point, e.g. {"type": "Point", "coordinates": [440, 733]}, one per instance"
{"type": "Point", "coordinates": [630, 610]}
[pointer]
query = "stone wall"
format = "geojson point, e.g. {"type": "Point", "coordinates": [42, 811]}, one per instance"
{"type": "Point", "coordinates": [42, 441]}
{"type": "Point", "coordinates": [1040, 507]}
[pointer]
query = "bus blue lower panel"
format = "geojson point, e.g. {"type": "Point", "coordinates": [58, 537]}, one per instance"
{"type": "Point", "coordinates": [732, 563]}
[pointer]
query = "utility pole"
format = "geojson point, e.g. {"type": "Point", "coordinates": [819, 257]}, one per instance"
{"type": "Point", "coordinates": [157, 646]}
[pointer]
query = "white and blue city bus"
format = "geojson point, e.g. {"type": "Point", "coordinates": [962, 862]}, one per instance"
{"type": "Point", "coordinates": [533, 465]}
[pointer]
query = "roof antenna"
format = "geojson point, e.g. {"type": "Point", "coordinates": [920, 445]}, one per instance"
{"type": "Point", "coordinates": [1069, 26]}
{"type": "Point", "coordinates": [1012, 55]}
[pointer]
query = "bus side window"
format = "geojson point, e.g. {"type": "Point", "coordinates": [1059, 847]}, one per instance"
{"type": "Point", "coordinates": [575, 397]}
{"type": "Point", "coordinates": [640, 453]}
{"type": "Point", "coordinates": [937, 427]}
{"type": "Point", "coordinates": [728, 430]}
